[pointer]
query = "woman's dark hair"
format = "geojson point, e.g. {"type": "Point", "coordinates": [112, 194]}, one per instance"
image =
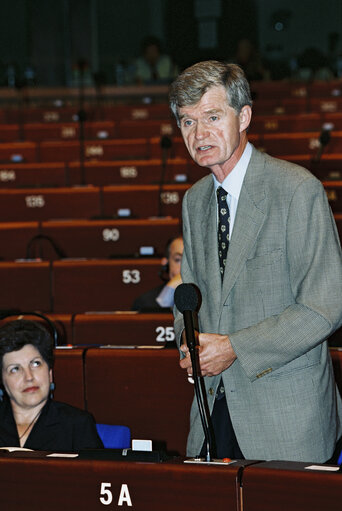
{"type": "Point", "coordinates": [17, 334]}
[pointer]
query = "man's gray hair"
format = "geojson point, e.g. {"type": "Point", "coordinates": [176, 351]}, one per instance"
{"type": "Point", "coordinates": [193, 82]}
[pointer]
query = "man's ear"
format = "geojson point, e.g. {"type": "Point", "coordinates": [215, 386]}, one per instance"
{"type": "Point", "coordinates": [245, 116]}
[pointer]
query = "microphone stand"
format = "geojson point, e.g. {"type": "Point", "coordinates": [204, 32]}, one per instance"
{"type": "Point", "coordinates": [81, 119]}
{"type": "Point", "coordinates": [165, 144]}
{"type": "Point", "coordinates": [192, 342]}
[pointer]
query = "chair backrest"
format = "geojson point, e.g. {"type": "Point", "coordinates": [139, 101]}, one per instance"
{"type": "Point", "coordinates": [114, 437]}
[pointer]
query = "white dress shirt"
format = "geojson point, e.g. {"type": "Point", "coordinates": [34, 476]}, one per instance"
{"type": "Point", "coordinates": [232, 184]}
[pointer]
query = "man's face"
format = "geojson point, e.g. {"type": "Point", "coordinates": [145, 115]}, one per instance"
{"type": "Point", "coordinates": [213, 132]}
{"type": "Point", "coordinates": [175, 257]}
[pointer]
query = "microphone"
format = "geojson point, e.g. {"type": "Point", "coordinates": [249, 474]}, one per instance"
{"type": "Point", "coordinates": [165, 142]}
{"type": "Point", "coordinates": [324, 139]}
{"type": "Point", "coordinates": [188, 301]}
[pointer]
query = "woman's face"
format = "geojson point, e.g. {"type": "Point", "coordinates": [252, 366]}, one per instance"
{"type": "Point", "coordinates": [26, 377]}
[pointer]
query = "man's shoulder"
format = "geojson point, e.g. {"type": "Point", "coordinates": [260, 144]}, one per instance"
{"type": "Point", "coordinates": [283, 175]}
{"type": "Point", "coordinates": [281, 169]}
{"type": "Point", "coordinates": [201, 187]}
{"type": "Point", "coordinates": [147, 300]}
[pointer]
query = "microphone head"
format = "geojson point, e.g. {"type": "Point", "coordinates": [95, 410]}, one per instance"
{"type": "Point", "coordinates": [188, 297]}
{"type": "Point", "coordinates": [165, 142]}
{"type": "Point", "coordinates": [325, 135]}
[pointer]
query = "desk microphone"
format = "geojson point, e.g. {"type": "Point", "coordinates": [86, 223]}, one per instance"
{"type": "Point", "coordinates": [188, 300]}
{"type": "Point", "coordinates": [324, 139]}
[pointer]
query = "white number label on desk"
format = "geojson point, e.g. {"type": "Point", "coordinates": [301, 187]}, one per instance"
{"type": "Point", "coordinates": [131, 276]}
{"type": "Point", "coordinates": [107, 495]}
{"type": "Point", "coordinates": [128, 172]}
{"type": "Point", "coordinates": [35, 201]}
{"type": "Point", "coordinates": [170, 197]}
{"type": "Point", "coordinates": [7, 175]}
{"type": "Point", "coordinates": [110, 234]}
{"type": "Point", "coordinates": [165, 333]}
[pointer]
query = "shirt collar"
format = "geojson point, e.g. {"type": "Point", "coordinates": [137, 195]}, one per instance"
{"type": "Point", "coordinates": [233, 182]}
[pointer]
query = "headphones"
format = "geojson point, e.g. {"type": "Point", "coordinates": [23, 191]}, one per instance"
{"type": "Point", "coordinates": [51, 326]}
{"type": "Point", "coordinates": [164, 272]}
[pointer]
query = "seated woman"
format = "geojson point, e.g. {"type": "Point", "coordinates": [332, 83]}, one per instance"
{"type": "Point", "coordinates": [29, 418]}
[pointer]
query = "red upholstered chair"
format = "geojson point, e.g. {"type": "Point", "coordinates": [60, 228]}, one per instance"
{"type": "Point", "coordinates": [68, 376]}
{"type": "Point", "coordinates": [143, 387]}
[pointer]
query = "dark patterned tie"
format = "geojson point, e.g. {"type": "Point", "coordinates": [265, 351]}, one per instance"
{"type": "Point", "coordinates": [223, 227]}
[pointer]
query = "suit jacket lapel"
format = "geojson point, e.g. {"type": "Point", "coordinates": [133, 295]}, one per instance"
{"type": "Point", "coordinates": [250, 215]}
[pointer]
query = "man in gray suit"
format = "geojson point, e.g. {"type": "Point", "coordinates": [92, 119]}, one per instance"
{"type": "Point", "coordinates": [263, 324]}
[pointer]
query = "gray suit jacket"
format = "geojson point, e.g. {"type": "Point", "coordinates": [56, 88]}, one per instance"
{"type": "Point", "coordinates": [280, 299]}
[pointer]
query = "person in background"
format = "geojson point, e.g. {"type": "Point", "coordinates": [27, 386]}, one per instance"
{"type": "Point", "coordinates": [248, 58]}
{"type": "Point", "coordinates": [29, 418]}
{"type": "Point", "coordinates": [160, 298]}
{"type": "Point", "coordinates": [153, 67]}
{"type": "Point", "coordinates": [261, 244]}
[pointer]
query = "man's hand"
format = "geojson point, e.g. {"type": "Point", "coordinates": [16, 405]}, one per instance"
{"type": "Point", "coordinates": [215, 354]}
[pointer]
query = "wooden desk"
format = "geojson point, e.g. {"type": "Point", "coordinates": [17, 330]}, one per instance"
{"type": "Point", "coordinates": [30, 483]}
{"type": "Point", "coordinates": [38, 204]}
{"type": "Point", "coordinates": [283, 486]}
{"type": "Point", "coordinates": [110, 238]}
{"type": "Point", "coordinates": [124, 329]}
{"type": "Point", "coordinates": [101, 284]}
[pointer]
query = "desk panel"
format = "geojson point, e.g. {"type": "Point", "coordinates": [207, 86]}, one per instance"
{"type": "Point", "coordinates": [16, 175]}
{"type": "Point", "coordinates": [110, 238]}
{"type": "Point", "coordinates": [284, 486]}
{"type": "Point", "coordinates": [334, 193]}
{"type": "Point", "coordinates": [101, 285]}
{"type": "Point", "coordinates": [18, 151]}
{"type": "Point", "coordinates": [55, 484]}
{"type": "Point", "coordinates": [14, 238]}
{"type": "Point", "coordinates": [129, 172]}
{"type": "Point", "coordinates": [25, 286]}
{"type": "Point", "coordinates": [124, 329]}
{"type": "Point", "coordinates": [49, 203]}
{"type": "Point", "coordinates": [143, 201]}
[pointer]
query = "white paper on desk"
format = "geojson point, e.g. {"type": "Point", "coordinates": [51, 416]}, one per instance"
{"type": "Point", "coordinates": [62, 455]}
{"type": "Point", "coordinates": [327, 468]}
{"type": "Point", "coordinates": [12, 449]}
